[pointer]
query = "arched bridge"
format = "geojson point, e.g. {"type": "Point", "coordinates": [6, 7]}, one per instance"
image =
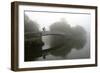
{"type": "Point", "coordinates": [43, 33]}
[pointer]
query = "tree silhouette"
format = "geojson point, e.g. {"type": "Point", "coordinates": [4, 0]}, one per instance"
{"type": "Point", "coordinates": [75, 38]}
{"type": "Point", "coordinates": [33, 43]}
{"type": "Point", "coordinates": [29, 25]}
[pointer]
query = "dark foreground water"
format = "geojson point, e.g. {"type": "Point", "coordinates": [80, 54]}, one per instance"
{"type": "Point", "coordinates": [55, 47]}
{"type": "Point", "coordinates": [67, 52]}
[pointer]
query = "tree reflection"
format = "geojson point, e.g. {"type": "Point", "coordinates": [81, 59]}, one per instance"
{"type": "Point", "coordinates": [75, 38]}
{"type": "Point", "coordinates": [33, 42]}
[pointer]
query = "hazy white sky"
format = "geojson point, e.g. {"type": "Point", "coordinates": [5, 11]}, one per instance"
{"type": "Point", "coordinates": [45, 19]}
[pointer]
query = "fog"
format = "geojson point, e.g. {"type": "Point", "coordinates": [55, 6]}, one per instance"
{"type": "Point", "coordinates": [56, 36]}
{"type": "Point", "coordinates": [45, 19]}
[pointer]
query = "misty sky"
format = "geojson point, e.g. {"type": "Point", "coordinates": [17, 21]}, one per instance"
{"type": "Point", "coordinates": [45, 19]}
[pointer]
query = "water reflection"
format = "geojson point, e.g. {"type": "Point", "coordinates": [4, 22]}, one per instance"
{"type": "Point", "coordinates": [75, 38]}
{"type": "Point", "coordinates": [32, 42]}
{"type": "Point", "coordinates": [58, 43]}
